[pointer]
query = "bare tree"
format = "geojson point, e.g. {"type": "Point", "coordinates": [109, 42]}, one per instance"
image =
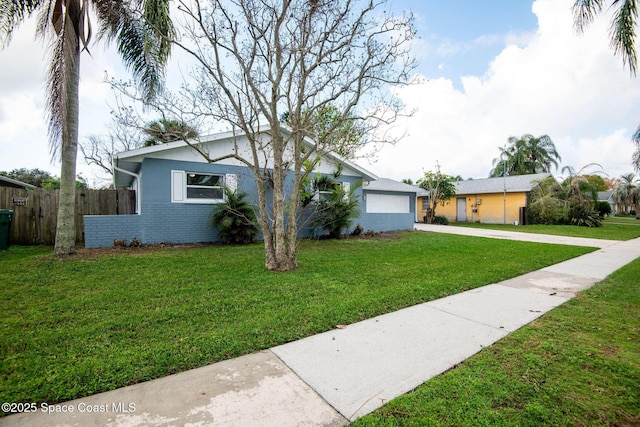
{"type": "Point", "coordinates": [257, 59]}
{"type": "Point", "coordinates": [98, 150]}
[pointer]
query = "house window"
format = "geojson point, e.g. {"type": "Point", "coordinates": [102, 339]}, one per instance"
{"type": "Point", "coordinates": [204, 186]}
{"type": "Point", "coordinates": [425, 204]}
{"type": "Point", "coordinates": [197, 187]}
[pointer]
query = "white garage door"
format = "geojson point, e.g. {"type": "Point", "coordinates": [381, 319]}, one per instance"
{"type": "Point", "coordinates": [385, 203]}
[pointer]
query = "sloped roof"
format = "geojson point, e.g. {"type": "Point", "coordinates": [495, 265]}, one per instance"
{"type": "Point", "coordinates": [512, 184]}
{"type": "Point", "coordinates": [604, 195]}
{"type": "Point", "coordinates": [386, 184]}
{"type": "Point", "coordinates": [9, 182]}
{"type": "Point", "coordinates": [130, 160]}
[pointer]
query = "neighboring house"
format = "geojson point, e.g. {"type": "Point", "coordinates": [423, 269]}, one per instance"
{"type": "Point", "coordinates": [8, 182]}
{"type": "Point", "coordinates": [487, 200]}
{"type": "Point", "coordinates": [607, 196]}
{"type": "Point", "coordinates": [176, 189]}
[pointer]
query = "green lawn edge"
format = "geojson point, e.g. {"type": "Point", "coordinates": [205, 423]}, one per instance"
{"type": "Point", "coordinates": [610, 230]}
{"type": "Point", "coordinates": [578, 365]}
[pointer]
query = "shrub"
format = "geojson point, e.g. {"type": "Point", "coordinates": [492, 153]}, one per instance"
{"type": "Point", "coordinates": [336, 213]}
{"type": "Point", "coordinates": [603, 208]}
{"type": "Point", "coordinates": [235, 219]}
{"type": "Point", "coordinates": [583, 216]}
{"type": "Point", "coordinates": [547, 210]}
{"type": "Point", "coordinates": [440, 219]}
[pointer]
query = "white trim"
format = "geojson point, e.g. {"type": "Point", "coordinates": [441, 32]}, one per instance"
{"type": "Point", "coordinates": [137, 182]}
{"type": "Point", "coordinates": [178, 186]}
{"type": "Point", "coordinates": [231, 181]}
{"type": "Point", "coordinates": [346, 186]}
{"type": "Point", "coordinates": [138, 154]}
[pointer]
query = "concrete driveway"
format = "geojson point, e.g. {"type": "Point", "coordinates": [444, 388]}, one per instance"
{"type": "Point", "coordinates": [515, 235]}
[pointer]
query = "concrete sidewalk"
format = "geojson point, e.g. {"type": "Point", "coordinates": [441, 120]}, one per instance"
{"type": "Point", "coordinates": [337, 376]}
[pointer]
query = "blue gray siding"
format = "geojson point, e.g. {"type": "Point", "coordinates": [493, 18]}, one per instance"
{"type": "Point", "coordinates": [388, 221]}
{"type": "Point", "coordinates": [162, 221]}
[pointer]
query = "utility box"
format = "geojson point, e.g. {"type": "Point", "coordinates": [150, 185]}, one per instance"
{"type": "Point", "coordinates": [6, 216]}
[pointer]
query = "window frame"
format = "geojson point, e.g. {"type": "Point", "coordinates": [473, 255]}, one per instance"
{"type": "Point", "coordinates": [180, 186]}
{"type": "Point", "coordinates": [187, 186]}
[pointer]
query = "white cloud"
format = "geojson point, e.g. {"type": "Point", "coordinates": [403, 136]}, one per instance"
{"type": "Point", "coordinates": [552, 82]}
{"type": "Point", "coordinates": [23, 124]}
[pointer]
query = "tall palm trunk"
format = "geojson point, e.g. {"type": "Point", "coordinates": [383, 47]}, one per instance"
{"type": "Point", "coordinates": [66, 228]}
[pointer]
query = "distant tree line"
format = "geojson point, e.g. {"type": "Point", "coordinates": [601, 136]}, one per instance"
{"type": "Point", "coordinates": [41, 179]}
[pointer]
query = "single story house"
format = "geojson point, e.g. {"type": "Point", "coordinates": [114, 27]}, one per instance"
{"type": "Point", "coordinates": [607, 196]}
{"type": "Point", "coordinates": [491, 200]}
{"type": "Point", "coordinates": [176, 188]}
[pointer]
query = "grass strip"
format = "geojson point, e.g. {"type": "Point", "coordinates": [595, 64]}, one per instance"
{"type": "Point", "coordinates": [578, 365]}
{"type": "Point", "coordinates": [610, 230]}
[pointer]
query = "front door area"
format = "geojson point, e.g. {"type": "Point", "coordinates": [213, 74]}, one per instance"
{"type": "Point", "coordinates": [461, 209]}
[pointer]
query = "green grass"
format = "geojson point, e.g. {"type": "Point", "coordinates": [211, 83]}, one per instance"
{"type": "Point", "coordinates": [578, 365]}
{"type": "Point", "coordinates": [78, 326]}
{"type": "Point", "coordinates": [610, 229]}
{"type": "Point", "coordinates": [626, 219]}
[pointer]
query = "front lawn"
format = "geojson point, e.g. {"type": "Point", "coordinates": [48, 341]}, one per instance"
{"type": "Point", "coordinates": [578, 365]}
{"type": "Point", "coordinates": [106, 319]}
{"type": "Point", "coordinates": [623, 219]}
{"type": "Point", "coordinates": [610, 230]}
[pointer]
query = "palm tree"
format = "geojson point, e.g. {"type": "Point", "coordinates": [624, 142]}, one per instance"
{"type": "Point", "coordinates": [540, 153]}
{"type": "Point", "coordinates": [622, 34]}
{"type": "Point", "coordinates": [143, 31]}
{"type": "Point", "coordinates": [526, 155]}
{"type": "Point", "coordinates": [620, 196]}
{"type": "Point", "coordinates": [635, 159]}
{"type": "Point", "coordinates": [627, 193]}
{"type": "Point", "coordinates": [168, 130]}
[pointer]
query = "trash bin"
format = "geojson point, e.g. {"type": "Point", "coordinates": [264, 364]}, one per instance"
{"type": "Point", "coordinates": [6, 217]}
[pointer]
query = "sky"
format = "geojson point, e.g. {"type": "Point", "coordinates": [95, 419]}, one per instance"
{"type": "Point", "coordinates": [487, 71]}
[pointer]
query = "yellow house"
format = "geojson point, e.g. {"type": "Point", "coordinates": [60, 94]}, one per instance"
{"type": "Point", "coordinates": [491, 201]}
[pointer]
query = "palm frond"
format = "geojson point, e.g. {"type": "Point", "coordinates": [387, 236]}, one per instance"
{"type": "Point", "coordinates": [584, 11]}
{"type": "Point", "coordinates": [13, 13]}
{"type": "Point", "coordinates": [623, 34]}
{"type": "Point", "coordinates": [143, 32]}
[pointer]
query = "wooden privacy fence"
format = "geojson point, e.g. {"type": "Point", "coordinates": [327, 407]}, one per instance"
{"type": "Point", "coordinates": [35, 211]}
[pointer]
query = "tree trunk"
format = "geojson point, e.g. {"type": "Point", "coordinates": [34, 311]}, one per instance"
{"type": "Point", "coordinates": [280, 252]}
{"type": "Point", "coordinates": [280, 259]}
{"type": "Point", "coordinates": [66, 228]}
